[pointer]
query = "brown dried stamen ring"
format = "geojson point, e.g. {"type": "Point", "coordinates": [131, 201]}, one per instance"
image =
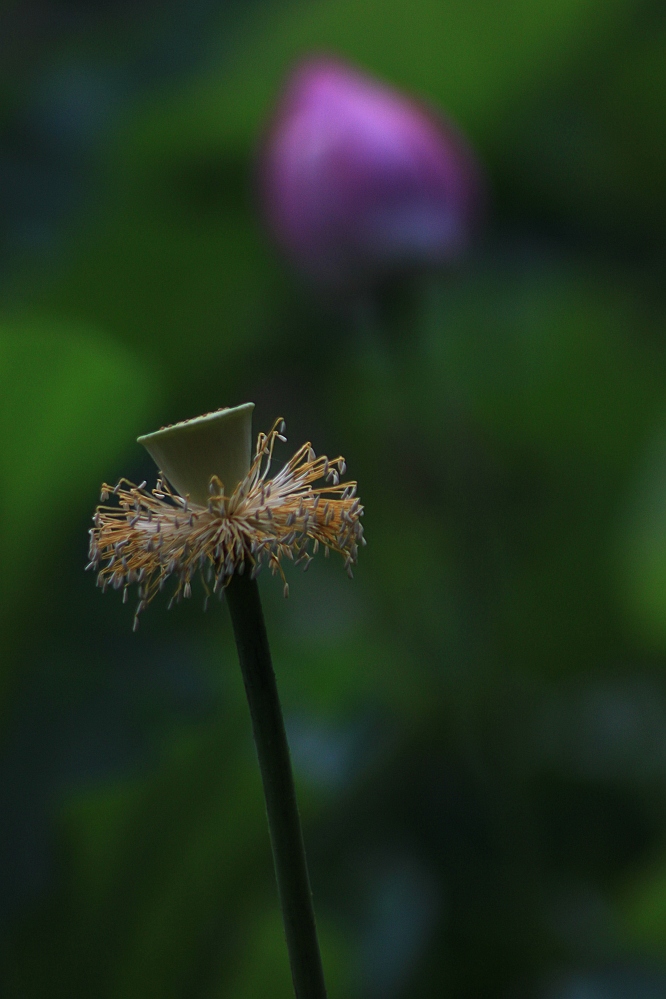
{"type": "Point", "coordinates": [149, 536]}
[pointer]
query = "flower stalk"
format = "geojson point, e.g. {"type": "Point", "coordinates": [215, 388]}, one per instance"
{"type": "Point", "coordinates": [274, 762]}
{"type": "Point", "coordinates": [216, 514]}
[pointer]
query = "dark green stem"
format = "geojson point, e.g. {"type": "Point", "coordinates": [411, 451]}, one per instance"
{"type": "Point", "coordinates": [274, 761]}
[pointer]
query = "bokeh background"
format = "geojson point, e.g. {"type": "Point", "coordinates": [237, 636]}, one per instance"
{"type": "Point", "coordinates": [478, 720]}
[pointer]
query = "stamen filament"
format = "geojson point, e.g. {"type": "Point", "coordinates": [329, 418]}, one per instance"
{"type": "Point", "coordinates": [150, 536]}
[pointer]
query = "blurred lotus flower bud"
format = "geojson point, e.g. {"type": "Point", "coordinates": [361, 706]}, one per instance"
{"type": "Point", "coordinates": [360, 182]}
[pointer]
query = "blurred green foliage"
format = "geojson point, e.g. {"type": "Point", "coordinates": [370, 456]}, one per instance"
{"type": "Point", "coordinates": [70, 400]}
{"type": "Point", "coordinates": [479, 719]}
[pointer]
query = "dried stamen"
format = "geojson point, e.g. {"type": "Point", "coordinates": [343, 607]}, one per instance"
{"type": "Point", "coordinates": [147, 537]}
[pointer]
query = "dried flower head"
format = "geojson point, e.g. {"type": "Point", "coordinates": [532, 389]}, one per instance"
{"type": "Point", "coordinates": [149, 536]}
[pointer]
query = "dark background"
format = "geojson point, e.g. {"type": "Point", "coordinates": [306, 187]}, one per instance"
{"type": "Point", "coordinates": [478, 720]}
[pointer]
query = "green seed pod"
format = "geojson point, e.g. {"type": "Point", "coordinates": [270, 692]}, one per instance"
{"type": "Point", "coordinates": [191, 453]}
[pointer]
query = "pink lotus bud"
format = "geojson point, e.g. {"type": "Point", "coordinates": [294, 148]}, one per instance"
{"type": "Point", "coordinates": [359, 181]}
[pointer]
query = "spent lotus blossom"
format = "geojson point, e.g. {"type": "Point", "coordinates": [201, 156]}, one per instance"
{"type": "Point", "coordinates": [359, 181]}
{"type": "Point", "coordinates": [221, 514]}
{"type": "Point", "coordinates": [213, 524]}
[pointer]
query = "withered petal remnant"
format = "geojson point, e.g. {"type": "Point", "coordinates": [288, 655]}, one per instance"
{"type": "Point", "coordinates": [152, 535]}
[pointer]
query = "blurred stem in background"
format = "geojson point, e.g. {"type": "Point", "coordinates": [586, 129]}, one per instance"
{"type": "Point", "coordinates": [274, 761]}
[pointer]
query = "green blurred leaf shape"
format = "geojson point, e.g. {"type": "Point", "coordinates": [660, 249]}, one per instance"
{"type": "Point", "coordinates": [71, 403]}
{"type": "Point", "coordinates": [643, 545]}
{"type": "Point", "coordinates": [530, 392]}
{"type": "Point", "coordinates": [184, 285]}
{"type": "Point", "coordinates": [197, 855]}
{"type": "Point", "coordinates": [169, 873]}
{"type": "Point", "coordinates": [164, 872]}
{"type": "Point", "coordinates": [560, 374]}
{"type": "Point", "coordinates": [641, 914]}
{"type": "Point", "coordinates": [561, 363]}
{"type": "Point", "coordinates": [594, 146]}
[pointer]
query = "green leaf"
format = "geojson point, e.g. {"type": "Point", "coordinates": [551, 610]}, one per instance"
{"type": "Point", "coordinates": [593, 147]}
{"type": "Point", "coordinates": [641, 913]}
{"type": "Point", "coordinates": [71, 403]}
{"type": "Point", "coordinates": [642, 546]}
{"type": "Point", "coordinates": [555, 361]}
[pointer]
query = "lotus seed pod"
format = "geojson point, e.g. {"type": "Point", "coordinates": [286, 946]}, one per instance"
{"type": "Point", "coordinates": [191, 453]}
